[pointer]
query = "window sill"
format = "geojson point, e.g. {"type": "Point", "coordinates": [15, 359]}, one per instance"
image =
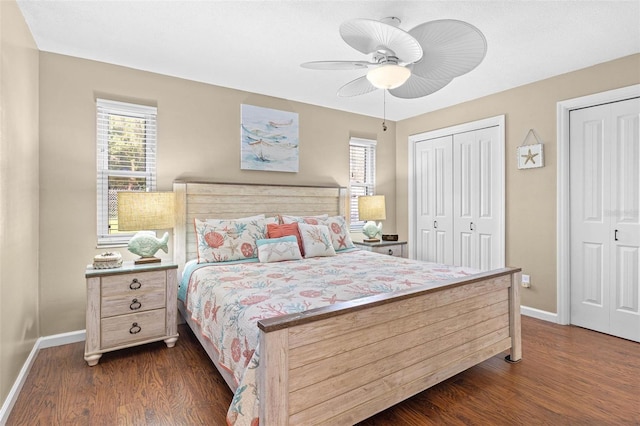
{"type": "Point", "coordinates": [111, 245]}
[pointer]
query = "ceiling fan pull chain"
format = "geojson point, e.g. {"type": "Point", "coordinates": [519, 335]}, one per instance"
{"type": "Point", "coordinates": [384, 110]}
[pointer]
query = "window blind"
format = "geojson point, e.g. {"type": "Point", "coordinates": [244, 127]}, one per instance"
{"type": "Point", "coordinates": [362, 167]}
{"type": "Point", "coordinates": [126, 160]}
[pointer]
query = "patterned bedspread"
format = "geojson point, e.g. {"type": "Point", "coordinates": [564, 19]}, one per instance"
{"type": "Point", "coordinates": [228, 300]}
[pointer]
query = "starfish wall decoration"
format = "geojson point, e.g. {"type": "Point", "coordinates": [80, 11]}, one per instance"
{"type": "Point", "coordinates": [530, 156]}
{"type": "Point", "coordinates": [527, 152]}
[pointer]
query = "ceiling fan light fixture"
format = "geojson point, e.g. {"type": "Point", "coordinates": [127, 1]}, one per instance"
{"type": "Point", "coordinates": [388, 76]}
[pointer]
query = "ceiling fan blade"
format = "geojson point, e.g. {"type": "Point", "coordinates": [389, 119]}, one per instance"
{"type": "Point", "coordinates": [417, 87]}
{"type": "Point", "coordinates": [450, 48]}
{"type": "Point", "coordinates": [356, 87]}
{"type": "Point", "coordinates": [337, 65]}
{"type": "Point", "coordinates": [367, 36]}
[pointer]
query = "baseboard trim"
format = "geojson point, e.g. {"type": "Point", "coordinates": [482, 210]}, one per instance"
{"type": "Point", "coordinates": [62, 339]}
{"type": "Point", "coordinates": [539, 314]}
{"type": "Point", "coordinates": [41, 343]}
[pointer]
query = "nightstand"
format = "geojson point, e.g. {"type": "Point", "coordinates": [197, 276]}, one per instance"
{"type": "Point", "coordinates": [130, 306]}
{"type": "Point", "coordinates": [392, 248]}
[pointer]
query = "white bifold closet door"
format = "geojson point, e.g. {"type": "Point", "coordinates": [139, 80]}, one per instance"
{"type": "Point", "coordinates": [459, 194]}
{"type": "Point", "coordinates": [434, 191]}
{"type": "Point", "coordinates": [477, 198]}
{"type": "Point", "coordinates": [605, 218]}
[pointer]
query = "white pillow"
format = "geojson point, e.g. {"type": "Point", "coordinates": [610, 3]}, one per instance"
{"type": "Point", "coordinates": [278, 249]}
{"type": "Point", "coordinates": [316, 240]}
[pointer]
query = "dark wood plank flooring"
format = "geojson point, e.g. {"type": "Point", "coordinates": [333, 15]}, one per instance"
{"type": "Point", "coordinates": [568, 376]}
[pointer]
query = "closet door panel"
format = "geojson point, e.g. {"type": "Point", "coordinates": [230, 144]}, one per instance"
{"type": "Point", "coordinates": [625, 220]}
{"type": "Point", "coordinates": [476, 206]}
{"type": "Point", "coordinates": [433, 200]}
{"type": "Point", "coordinates": [591, 242]}
{"type": "Point", "coordinates": [487, 213]}
{"type": "Point", "coordinates": [465, 198]}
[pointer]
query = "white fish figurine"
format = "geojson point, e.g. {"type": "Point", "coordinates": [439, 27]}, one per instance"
{"type": "Point", "coordinates": [370, 229]}
{"type": "Point", "coordinates": [146, 244]}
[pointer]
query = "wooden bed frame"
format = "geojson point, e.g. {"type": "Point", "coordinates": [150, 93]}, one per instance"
{"type": "Point", "coordinates": [344, 363]}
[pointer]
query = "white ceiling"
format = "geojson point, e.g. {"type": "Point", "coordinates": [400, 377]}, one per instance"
{"type": "Point", "coordinates": [257, 46]}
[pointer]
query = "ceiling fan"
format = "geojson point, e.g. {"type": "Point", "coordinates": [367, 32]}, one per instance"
{"type": "Point", "coordinates": [408, 64]}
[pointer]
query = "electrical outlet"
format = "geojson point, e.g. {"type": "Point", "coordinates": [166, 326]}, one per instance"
{"type": "Point", "coordinates": [526, 281]}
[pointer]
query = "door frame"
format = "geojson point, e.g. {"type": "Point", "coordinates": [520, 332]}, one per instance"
{"type": "Point", "coordinates": [498, 120]}
{"type": "Point", "coordinates": [563, 243]}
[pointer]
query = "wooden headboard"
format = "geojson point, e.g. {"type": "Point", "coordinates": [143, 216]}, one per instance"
{"type": "Point", "coordinates": [204, 200]}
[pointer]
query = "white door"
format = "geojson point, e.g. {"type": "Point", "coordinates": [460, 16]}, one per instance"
{"type": "Point", "coordinates": [605, 218]}
{"type": "Point", "coordinates": [434, 221]}
{"type": "Point", "coordinates": [477, 202]}
{"type": "Point", "coordinates": [457, 182]}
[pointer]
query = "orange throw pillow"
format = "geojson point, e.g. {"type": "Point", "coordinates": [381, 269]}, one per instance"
{"type": "Point", "coordinates": [277, 231]}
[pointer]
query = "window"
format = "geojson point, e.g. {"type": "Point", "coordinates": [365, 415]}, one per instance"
{"type": "Point", "coordinates": [362, 167]}
{"type": "Point", "coordinates": [126, 151]}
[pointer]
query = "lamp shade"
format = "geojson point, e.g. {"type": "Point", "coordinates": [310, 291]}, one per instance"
{"type": "Point", "coordinates": [145, 210]}
{"type": "Point", "coordinates": [388, 76]}
{"type": "Point", "coordinates": [372, 207]}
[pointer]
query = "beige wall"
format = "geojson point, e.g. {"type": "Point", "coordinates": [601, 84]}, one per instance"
{"type": "Point", "coordinates": [18, 194]}
{"type": "Point", "coordinates": [530, 194]}
{"type": "Point", "coordinates": [198, 137]}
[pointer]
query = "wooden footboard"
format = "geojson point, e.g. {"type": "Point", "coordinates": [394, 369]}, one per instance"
{"type": "Point", "coordinates": [344, 363]}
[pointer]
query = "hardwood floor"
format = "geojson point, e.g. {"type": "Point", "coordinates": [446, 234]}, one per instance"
{"type": "Point", "coordinates": [568, 376]}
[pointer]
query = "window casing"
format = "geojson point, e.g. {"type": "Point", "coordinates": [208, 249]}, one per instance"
{"type": "Point", "coordinates": [362, 169]}
{"type": "Point", "coordinates": [126, 161]}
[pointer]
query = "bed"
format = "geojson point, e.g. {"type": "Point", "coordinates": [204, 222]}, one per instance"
{"type": "Point", "coordinates": [345, 361]}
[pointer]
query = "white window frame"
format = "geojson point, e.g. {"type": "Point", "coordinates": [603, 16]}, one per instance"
{"type": "Point", "coordinates": [356, 188]}
{"type": "Point", "coordinates": [104, 108]}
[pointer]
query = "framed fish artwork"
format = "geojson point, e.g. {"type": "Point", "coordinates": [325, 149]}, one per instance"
{"type": "Point", "coordinates": [268, 139]}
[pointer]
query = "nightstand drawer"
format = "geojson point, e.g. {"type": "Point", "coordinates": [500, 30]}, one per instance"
{"type": "Point", "coordinates": [132, 284]}
{"type": "Point", "coordinates": [391, 250]}
{"type": "Point", "coordinates": [396, 248]}
{"type": "Point", "coordinates": [125, 329]}
{"type": "Point", "coordinates": [131, 303]}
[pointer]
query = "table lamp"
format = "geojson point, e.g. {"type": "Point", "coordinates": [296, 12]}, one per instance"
{"type": "Point", "coordinates": [146, 212]}
{"type": "Point", "coordinates": [371, 208]}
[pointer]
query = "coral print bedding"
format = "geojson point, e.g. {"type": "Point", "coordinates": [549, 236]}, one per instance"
{"type": "Point", "coordinates": [228, 300]}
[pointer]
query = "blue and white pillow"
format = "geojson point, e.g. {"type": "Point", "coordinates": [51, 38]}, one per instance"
{"type": "Point", "coordinates": [278, 249]}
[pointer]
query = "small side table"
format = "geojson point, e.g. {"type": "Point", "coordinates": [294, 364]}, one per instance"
{"type": "Point", "coordinates": [129, 306]}
{"type": "Point", "coordinates": [392, 248]}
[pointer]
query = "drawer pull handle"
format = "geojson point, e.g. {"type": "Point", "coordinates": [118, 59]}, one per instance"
{"type": "Point", "coordinates": [135, 284]}
{"type": "Point", "coordinates": [390, 252]}
{"type": "Point", "coordinates": [135, 328]}
{"type": "Point", "coordinates": [135, 305]}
